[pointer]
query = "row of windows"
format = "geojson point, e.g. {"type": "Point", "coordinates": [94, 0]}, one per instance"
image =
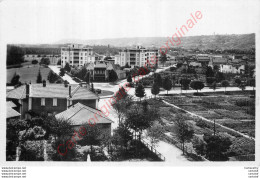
{"type": "Point", "coordinates": [54, 101]}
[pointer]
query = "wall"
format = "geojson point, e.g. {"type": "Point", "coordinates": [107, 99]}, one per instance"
{"type": "Point", "coordinates": [61, 105]}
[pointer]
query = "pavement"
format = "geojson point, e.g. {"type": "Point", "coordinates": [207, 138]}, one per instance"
{"type": "Point", "coordinates": [56, 69]}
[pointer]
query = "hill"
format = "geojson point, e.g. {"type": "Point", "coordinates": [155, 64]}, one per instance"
{"type": "Point", "coordinates": [243, 41]}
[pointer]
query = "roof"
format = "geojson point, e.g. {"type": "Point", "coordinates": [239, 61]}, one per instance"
{"type": "Point", "coordinates": [17, 93]}
{"type": "Point", "coordinates": [80, 114]}
{"type": "Point", "coordinates": [60, 91]}
{"type": "Point", "coordinates": [10, 104]}
{"type": "Point", "coordinates": [219, 60]}
{"type": "Point", "coordinates": [10, 112]}
{"type": "Point", "coordinates": [100, 65]}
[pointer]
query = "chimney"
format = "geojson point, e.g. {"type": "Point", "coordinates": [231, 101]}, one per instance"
{"type": "Point", "coordinates": [44, 83]}
{"type": "Point", "coordinates": [27, 89]}
{"type": "Point", "coordinates": [70, 91]}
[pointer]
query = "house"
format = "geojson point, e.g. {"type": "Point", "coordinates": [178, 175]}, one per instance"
{"type": "Point", "coordinates": [195, 64]}
{"type": "Point", "coordinates": [203, 59]}
{"type": "Point", "coordinates": [99, 71]}
{"type": "Point", "coordinates": [80, 115]}
{"type": "Point", "coordinates": [51, 98]}
{"type": "Point", "coordinates": [11, 113]}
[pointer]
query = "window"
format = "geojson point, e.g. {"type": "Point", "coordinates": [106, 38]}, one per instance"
{"type": "Point", "coordinates": [54, 101]}
{"type": "Point", "coordinates": [42, 101]}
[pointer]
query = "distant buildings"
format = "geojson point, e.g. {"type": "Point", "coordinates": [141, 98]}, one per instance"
{"type": "Point", "coordinates": [77, 55]}
{"type": "Point", "coordinates": [53, 58]}
{"type": "Point", "coordinates": [138, 56]}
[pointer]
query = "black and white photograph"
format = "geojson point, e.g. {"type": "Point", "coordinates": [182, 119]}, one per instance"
{"type": "Point", "coordinates": [153, 82]}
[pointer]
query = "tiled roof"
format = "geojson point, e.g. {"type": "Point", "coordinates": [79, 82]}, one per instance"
{"type": "Point", "coordinates": [10, 104]}
{"type": "Point", "coordinates": [100, 65]}
{"type": "Point", "coordinates": [219, 60]}
{"type": "Point", "coordinates": [60, 91]}
{"type": "Point", "coordinates": [17, 93]}
{"type": "Point", "coordinates": [80, 114]}
{"type": "Point", "coordinates": [10, 112]}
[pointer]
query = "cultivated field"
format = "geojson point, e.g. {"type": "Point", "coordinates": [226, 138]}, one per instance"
{"type": "Point", "coordinates": [27, 74]}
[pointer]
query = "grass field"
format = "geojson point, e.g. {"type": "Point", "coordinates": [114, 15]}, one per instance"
{"type": "Point", "coordinates": [27, 74]}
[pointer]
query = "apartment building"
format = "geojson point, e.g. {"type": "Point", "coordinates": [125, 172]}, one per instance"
{"type": "Point", "coordinates": [77, 55]}
{"type": "Point", "coordinates": [138, 56]}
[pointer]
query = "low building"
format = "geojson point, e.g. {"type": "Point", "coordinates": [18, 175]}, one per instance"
{"type": "Point", "coordinates": [203, 59]}
{"type": "Point", "coordinates": [99, 71]}
{"type": "Point", "coordinates": [51, 98]}
{"type": "Point", "coordinates": [81, 115]}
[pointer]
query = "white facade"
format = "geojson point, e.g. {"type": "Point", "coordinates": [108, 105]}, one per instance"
{"type": "Point", "coordinates": [137, 57]}
{"type": "Point", "coordinates": [77, 55]}
{"type": "Point", "coordinates": [235, 69]}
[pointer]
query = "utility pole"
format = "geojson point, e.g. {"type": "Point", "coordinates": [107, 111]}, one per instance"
{"type": "Point", "coordinates": [214, 127]}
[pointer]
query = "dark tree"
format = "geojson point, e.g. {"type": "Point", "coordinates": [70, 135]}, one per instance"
{"type": "Point", "coordinates": [45, 61]}
{"type": "Point", "coordinates": [67, 67]}
{"type": "Point", "coordinates": [155, 89]}
{"type": "Point", "coordinates": [34, 62]}
{"type": "Point", "coordinates": [87, 77]}
{"type": "Point", "coordinates": [112, 76]}
{"type": "Point", "coordinates": [216, 147]}
{"type": "Point", "coordinates": [62, 72]}
{"type": "Point", "coordinates": [251, 82]}
{"type": "Point", "coordinates": [225, 84]}
{"type": "Point", "coordinates": [197, 85]}
{"type": "Point", "coordinates": [238, 81]}
{"type": "Point", "coordinates": [167, 84]}
{"type": "Point", "coordinates": [122, 136]}
{"type": "Point", "coordinates": [139, 91]}
{"type": "Point", "coordinates": [163, 58]}
{"type": "Point", "coordinates": [158, 79]}
{"type": "Point", "coordinates": [185, 83]}
{"type": "Point", "coordinates": [127, 65]}
{"type": "Point", "coordinates": [220, 77]}
{"type": "Point", "coordinates": [52, 77]}
{"type": "Point", "coordinates": [14, 55]}
{"type": "Point", "coordinates": [39, 77]}
{"type": "Point", "coordinates": [59, 62]}
{"type": "Point", "coordinates": [129, 78]}
{"type": "Point", "coordinates": [210, 80]}
{"type": "Point", "coordinates": [15, 80]}
{"type": "Point", "coordinates": [209, 72]}
{"type": "Point", "coordinates": [184, 132]}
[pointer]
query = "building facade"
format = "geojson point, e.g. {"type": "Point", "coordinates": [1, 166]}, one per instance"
{"type": "Point", "coordinates": [77, 55]}
{"type": "Point", "coordinates": [138, 56]}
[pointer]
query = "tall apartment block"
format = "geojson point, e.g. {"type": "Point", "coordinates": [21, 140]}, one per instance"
{"type": "Point", "coordinates": [138, 56]}
{"type": "Point", "coordinates": [77, 55]}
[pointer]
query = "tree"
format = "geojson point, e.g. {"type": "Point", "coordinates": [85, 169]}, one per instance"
{"type": "Point", "coordinates": [155, 133]}
{"type": "Point", "coordinates": [210, 80]}
{"type": "Point", "coordinates": [238, 81]}
{"type": "Point", "coordinates": [216, 147]}
{"type": "Point", "coordinates": [209, 72]}
{"type": "Point", "coordinates": [139, 91]}
{"type": "Point", "coordinates": [15, 80]}
{"type": "Point", "coordinates": [184, 132]}
{"type": "Point", "coordinates": [67, 67]}
{"type": "Point", "coordinates": [167, 84]}
{"type": "Point", "coordinates": [155, 89]}
{"type": "Point", "coordinates": [197, 85]}
{"type": "Point", "coordinates": [225, 84]}
{"type": "Point", "coordinates": [199, 145]}
{"type": "Point", "coordinates": [127, 65]}
{"type": "Point", "coordinates": [112, 76]}
{"type": "Point", "coordinates": [219, 77]}
{"type": "Point", "coordinates": [62, 72]}
{"type": "Point", "coordinates": [39, 77]}
{"type": "Point", "coordinates": [251, 82]}
{"type": "Point", "coordinates": [185, 83]}
{"type": "Point", "coordinates": [15, 55]}
{"type": "Point", "coordinates": [158, 79]}
{"type": "Point", "coordinates": [129, 78]}
{"type": "Point", "coordinates": [93, 136]}
{"type": "Point", "coordinates": [45, 61]}
{"type": "Point", "coordinates": [163, 58]}
{"type": "Point", "coordinates": [214, 86]}
{"type": "Point", "coordinates": [122, 136]}
{"type": "Point", "coordinates": [52, 77]}
{"type": "Point", "coordinates": [34, 62]}
{"type": "Point", "coordinates": [59, 62]}
{"type": "Point", "coordinates": [87, 77]}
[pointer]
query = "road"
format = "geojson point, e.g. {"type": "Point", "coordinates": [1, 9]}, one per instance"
{"type": "Point", "coordinates": [56, 69]}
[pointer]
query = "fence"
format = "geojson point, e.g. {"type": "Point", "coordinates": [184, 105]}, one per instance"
{"type": "Point", "coordinates": [151, 148]}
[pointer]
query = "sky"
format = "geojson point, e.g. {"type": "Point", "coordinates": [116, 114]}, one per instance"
{"type": "Point", "coordinates": [45, 21]}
